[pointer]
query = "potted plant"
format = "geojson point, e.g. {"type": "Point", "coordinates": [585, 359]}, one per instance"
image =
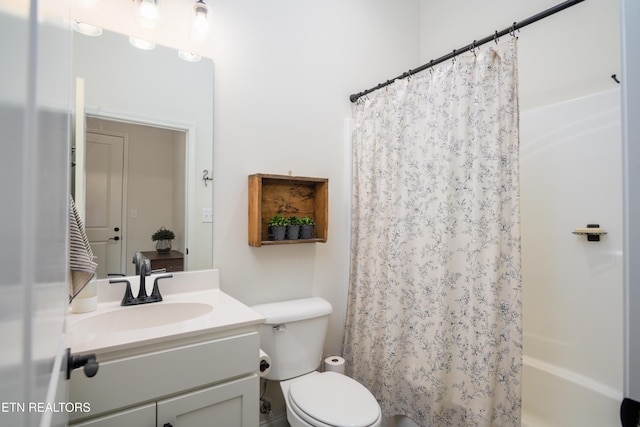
{"type": "Point", "coordinates": [307, 228]}
{"type": "Point", "coordinates": [163, 238]}
{"type": "Point", "coordinates": [277, 227]}
{"type": "Point", "coordinates": [293, 228]}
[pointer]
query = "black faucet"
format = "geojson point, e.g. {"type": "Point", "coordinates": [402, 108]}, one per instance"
{"type": "Point", "coordinates": [137, 260]}
{"type": "Point", "coordinates": [142, 298]}
{"type": "Point", "coordinates": [145, 270]}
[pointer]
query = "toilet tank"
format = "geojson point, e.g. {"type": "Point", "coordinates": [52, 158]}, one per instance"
{"type": "Point", "coordinates": [293, 335]}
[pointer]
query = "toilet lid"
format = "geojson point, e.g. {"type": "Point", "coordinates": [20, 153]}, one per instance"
{"type": "Point", "coordinates": [335, 399]}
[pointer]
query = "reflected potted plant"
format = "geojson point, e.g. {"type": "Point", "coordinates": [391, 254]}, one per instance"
{"type": "Point", "coordinates": [293, 228]}
{"type": "Point", "coordinates": [163, 238]}
{"type": "Point", "coordinates": [276, 227]}
{"type": "Point", "coordinates": [307, 228]}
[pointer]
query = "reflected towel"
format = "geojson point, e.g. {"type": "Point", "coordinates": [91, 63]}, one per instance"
{"type": "Point", "coordinates": [81, 265]}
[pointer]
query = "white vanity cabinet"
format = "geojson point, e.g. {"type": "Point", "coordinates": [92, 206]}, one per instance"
{"type": "Point", "coordinates": [198, 381]}
{"type": "Point", "coordinates": [225, 405]}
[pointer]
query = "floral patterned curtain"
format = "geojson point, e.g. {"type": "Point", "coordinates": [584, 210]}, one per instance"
{"type": "Point", "coordinates": [433, 323]}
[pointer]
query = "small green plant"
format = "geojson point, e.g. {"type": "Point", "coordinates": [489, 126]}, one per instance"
{"type": "Point", "coordinates": [278, 221]}
{"type": "Point", "coordinates": [163, 234]}
{"type": "Point", "coordinates": [294, 221]}
{"type": "Point", "coordinates": [307, 220]}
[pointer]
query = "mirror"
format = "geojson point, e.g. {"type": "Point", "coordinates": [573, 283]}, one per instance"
{"type": "Point", "coordinates": [148, 133]}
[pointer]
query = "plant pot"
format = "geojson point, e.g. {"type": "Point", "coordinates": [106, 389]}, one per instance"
{"type": "Point", "coordinates": [277, 232]}
{"type": "Point", "coordinates": [163, 246]}
{"type": "Point", "coordinates": [307, 231]}
{"type": "Point", "coordinates": [293, 231]}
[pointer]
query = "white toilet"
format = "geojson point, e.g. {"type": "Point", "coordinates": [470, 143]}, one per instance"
{"type": "Point", "coordinates": [293, 336]}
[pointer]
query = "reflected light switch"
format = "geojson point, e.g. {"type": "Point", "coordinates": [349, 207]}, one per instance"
{"type": "Point", "coordinates": [207, 215]}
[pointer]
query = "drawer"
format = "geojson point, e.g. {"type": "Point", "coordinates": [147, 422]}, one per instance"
{"type": "Point", "coordinates": [170, 264]}
{"type": "Point", "coordinates": [136, 379]}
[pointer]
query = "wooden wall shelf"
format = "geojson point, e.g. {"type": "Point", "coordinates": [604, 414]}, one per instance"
{"type": "Point", "coordinates": [287, 196]}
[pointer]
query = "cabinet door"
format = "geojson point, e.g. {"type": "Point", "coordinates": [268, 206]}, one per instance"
{"type": "Point", "coordinates": [141, 416]}
{"type": "Point", "coordinates": [231, 404]}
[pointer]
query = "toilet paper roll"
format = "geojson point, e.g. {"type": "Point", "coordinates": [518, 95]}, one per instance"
{"type": "Point", "coordinates": [264, 365]}
{"type": "Point", "coordinates": [334, 364]}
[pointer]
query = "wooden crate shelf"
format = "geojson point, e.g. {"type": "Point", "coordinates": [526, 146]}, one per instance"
{"type": "Point", "coordinates": [287, 196]}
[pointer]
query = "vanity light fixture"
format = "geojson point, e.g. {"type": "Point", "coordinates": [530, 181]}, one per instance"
{"type": "Point", "coordinates": [201, 22]}
{"type": "Point", "coordinates": [188, 56]}
{"type": "Point", "coordinates": [86, 29]}
{"type": "Point", "coordinates": [142, 44]}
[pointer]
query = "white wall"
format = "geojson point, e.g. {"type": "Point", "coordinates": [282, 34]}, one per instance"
{"type": "Point", "coordinates": [284, 72]}
{"type": "Point", "coordinates": [568, 55]}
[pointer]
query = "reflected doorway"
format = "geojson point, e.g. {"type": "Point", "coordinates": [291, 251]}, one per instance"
{"type": "Point", "coordinates": [104, 177]}
{"type": "Point", "coordinates": [152, 190]}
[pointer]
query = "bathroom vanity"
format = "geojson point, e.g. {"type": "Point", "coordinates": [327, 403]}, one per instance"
{"type": "Point", "coordinates": [192, 363]}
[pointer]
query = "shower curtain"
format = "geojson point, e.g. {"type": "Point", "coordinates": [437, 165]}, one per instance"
{"type": "Point", "coordinates": [433, 324]}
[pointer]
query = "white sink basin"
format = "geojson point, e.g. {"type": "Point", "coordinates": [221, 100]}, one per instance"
{"type": "Point", "coordinates": [138, 317]}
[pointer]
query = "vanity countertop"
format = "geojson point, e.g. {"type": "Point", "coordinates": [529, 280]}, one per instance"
{"type": "Point", "coordinates": [102, 331]}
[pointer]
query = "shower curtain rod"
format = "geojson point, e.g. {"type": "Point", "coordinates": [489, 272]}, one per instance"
{"type": "Point", "coordinates": [516, 26]}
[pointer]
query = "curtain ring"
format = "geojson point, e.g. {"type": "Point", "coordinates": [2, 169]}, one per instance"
{"type": "Point", "coordinates": [431, 67]}
{"type": "Point", "coordinates": [513, 30]}
{"type": "Point", "coordinates": [495, 37]}
{"type": "Point", "coordinates": [473, 48]}
{"type": "Point", "coordinates": [454, 56]}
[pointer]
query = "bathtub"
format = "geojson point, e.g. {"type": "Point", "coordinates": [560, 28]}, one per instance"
{"type": "Point", "coordinates": [556, 397]}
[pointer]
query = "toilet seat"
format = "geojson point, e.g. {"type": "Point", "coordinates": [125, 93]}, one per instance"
{"type": "Point", "coordinates": [332, 399]}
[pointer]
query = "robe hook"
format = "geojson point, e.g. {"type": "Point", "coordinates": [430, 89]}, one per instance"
{"type": "Point", "coordinates": [205, 177]}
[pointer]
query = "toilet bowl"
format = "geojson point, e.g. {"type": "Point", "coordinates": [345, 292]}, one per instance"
{"type": "Point", "coordinates": [293, 335]}
{"type": "Point", "coordinates": [329, 399]}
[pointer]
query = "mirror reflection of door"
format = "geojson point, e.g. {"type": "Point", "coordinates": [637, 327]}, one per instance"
{"type": "Point", "coordinates": [151, 192]}
{"type": "Point", "coordinates": [104, 177]}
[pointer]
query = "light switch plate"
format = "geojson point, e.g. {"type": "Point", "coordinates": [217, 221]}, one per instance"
{"type": "Point", "coordinates": [207, 215]}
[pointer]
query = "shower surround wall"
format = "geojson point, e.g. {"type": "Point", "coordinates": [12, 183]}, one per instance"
{"type": "Point", "coordinates": [571, 175]}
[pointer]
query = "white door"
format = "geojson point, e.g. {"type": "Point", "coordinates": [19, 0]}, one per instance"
{"type": "Point", "coordinates": [103, 221]}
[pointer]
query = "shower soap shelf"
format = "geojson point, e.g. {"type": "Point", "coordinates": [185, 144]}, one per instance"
{"type": "Point", "coordinates": [593, 232]}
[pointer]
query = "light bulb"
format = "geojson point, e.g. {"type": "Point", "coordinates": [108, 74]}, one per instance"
{"type": "Point", "coordinates": [148, 15]}
{"type": "Point", "coordinates": [148, 9]}
{"type": "Point", "coordinates": [201, 23]}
